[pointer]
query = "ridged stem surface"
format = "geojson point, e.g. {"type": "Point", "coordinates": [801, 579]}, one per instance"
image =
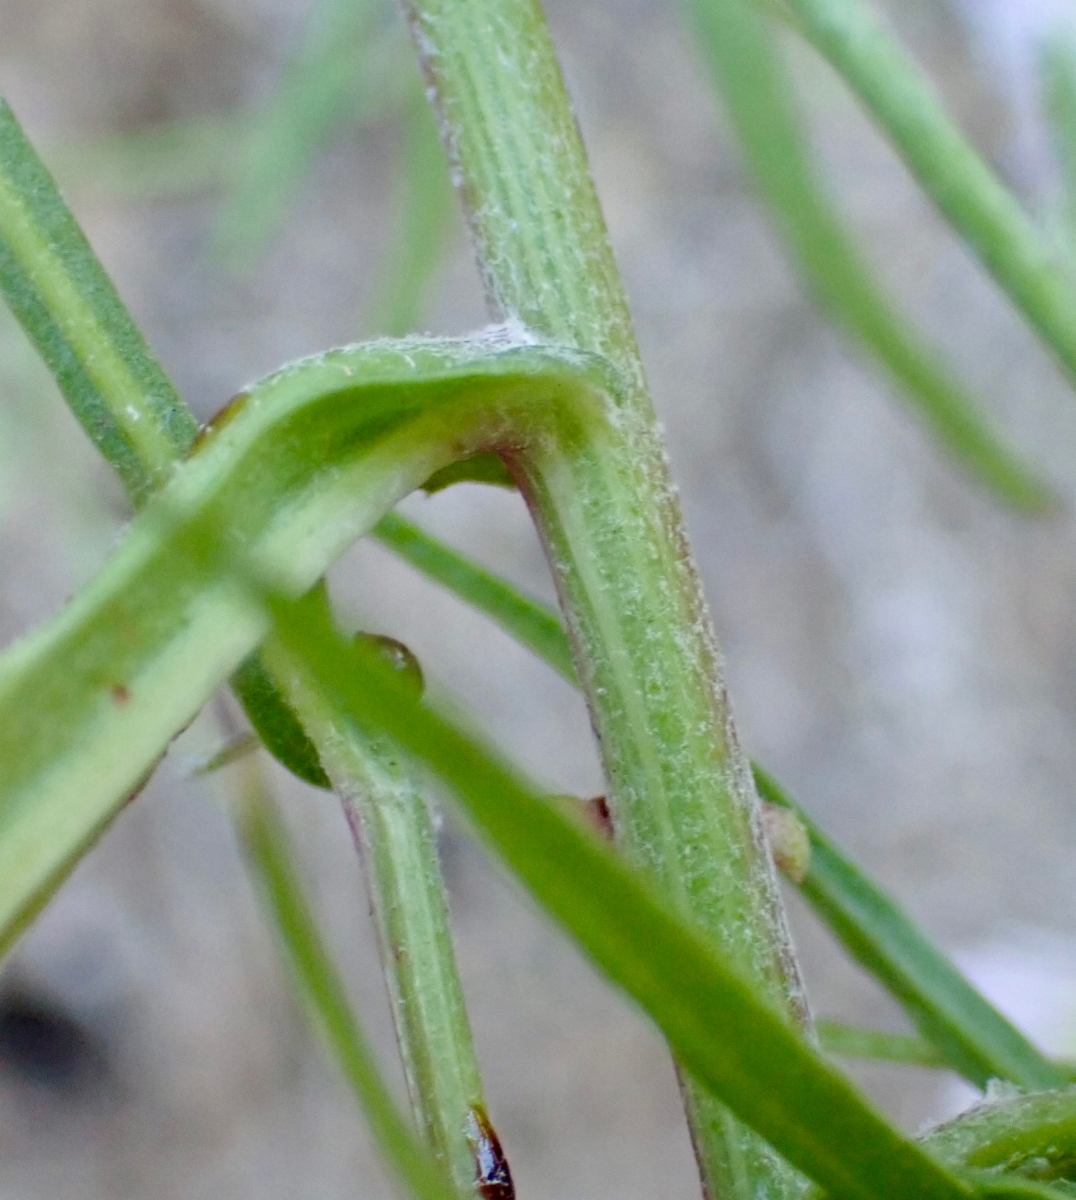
{"type": "Point", "coordinates": [682, 798]}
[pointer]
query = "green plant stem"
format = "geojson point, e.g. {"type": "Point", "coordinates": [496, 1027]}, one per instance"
{"type": "Point", "coordinates": [680, 791]}
{"type": "Point", "coordinates": [391, 824]}
{"type": "Point", "coordinates": [979, 207]}
{"type": "Point", "coordinates": [267, 850]}
{"type": "Point", "coordinates": [737, 46]}
{"type": "Point", "coordinates": [974, 1037]}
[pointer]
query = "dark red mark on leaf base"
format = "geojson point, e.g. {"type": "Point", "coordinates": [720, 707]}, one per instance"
{"type": "Point", "coordinates": [217, 422]}
{"type": "Point", "coordinates": [120, 694]}
{"type": "Point", "coordinates": [598, 814]}
{"type": "Point", "coordinates": [492, 1176]}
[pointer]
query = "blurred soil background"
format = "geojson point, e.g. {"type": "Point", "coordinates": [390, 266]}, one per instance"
{"type": "Point", "coordinates": [901, 653]}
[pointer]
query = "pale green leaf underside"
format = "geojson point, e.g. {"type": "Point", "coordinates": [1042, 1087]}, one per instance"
{"type": "Point", "coordinates": [312, 458]}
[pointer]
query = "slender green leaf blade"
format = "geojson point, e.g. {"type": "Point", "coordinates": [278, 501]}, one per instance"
{"type": "Point", "coordinates": [69, 308]}
{"type": "Point", "coordinates": [974, 1037]}
{"type": "Point", "coordinates": [170, 160]}
{"type": "Point", "coordinates": [849, 1041]}
{"type": "Point", "coordinates": [1059, 85]}
{"type": "Point", "coordinates": [313, 97]}
{"type": "Point", "coordinates": [530, 623]}
{"type": "Point", "coordinates": [427, 211]}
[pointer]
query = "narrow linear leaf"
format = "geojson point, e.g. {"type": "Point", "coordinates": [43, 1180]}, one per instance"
{"type": "Point", "coordinates": [849, 1041]}
{"type": "Point", "coordinates": [69, 308]}
{"type": "Point", "coordinates": [752, 1057]}
{"type": "Point", "coordinates": [271, 860]}
{"type": "Point", "coordinates": [1059, 86]}
{"type": "Point", "coordinates": [974, 1037]}
{"type": "Point", "coordinates": [530, 623]}
{"type": "Point", "coordinates": [895, 92]}
{"type": "Point", "coordinates": [736, 43]}
{"type": "Point", "coordinates": [172, 160]}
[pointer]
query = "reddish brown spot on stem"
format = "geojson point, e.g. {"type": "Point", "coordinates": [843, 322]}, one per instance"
{"type": "Point", "coordinates": [120, 694]}
{"type": "Point", "coordinates": [789, 841]}
{"type": "Point", "coordinates": [492, 1176]}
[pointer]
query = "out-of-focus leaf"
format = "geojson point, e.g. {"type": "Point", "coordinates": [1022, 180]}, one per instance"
{"type": "Point", "coordinates": [856, 42]}
{"type": "Point", "coordinates": [849, 1041]}
{"type": "Point", "coordinates": [320, 89]}
{"type": "Point", "coordinates": [1059, 86]}
{"type": "Point", "coordinates": [736, 44]}
{"type": "Point", "coordinates": [178, 159]}
{"type": "Point", "coordinates": [426, 207]}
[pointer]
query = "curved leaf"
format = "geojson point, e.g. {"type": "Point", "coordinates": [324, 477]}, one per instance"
{"type": "Point", "coordinates": [313, 458]}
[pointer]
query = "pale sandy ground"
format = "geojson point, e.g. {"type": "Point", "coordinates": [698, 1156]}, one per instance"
{"type": "Point", "coordinates": [900, 652]}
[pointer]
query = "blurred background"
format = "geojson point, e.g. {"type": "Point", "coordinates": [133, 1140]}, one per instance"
{"type": "Point", "coordinates": [901, 652]}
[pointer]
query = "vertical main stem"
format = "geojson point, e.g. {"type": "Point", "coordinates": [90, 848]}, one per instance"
{"type": "Point", "coordinates": [682, 799]}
